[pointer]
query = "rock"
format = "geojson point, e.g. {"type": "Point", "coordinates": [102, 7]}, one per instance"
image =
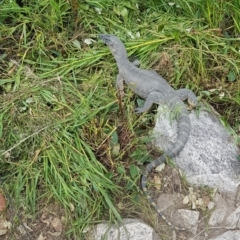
{"type": "Point", "coordinates": [233, 219]}
{"type": "Point", "coordinates": [209, 156]}
{"type": "Point", "coordinates": [217, 216]}
{"type": "Point", "coordinates": [211, 205]}
{"type": "Point", "coordinates": [238, 197]}
{"type": "Point", "coordinates": [229, 235]}
{"type": "Point", "coordinates": [190, 218]}
{"type": "Point", "coordinates": [221, 211]}
{"type": "Point", "coordinates": [130, 229]}
{"type": "Point", "coordinates": [169, 204]}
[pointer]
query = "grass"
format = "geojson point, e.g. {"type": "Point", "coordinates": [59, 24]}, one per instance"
{"type": "Point", "coordinates": [63, 137]}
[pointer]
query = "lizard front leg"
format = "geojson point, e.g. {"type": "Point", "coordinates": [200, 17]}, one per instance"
{"type": "Point", "coordinates": [153, 97]}
{"type": "Point", "coordinates": [186, 94]}
{"type": "Point", "coordinates": [120, 86]}
{"type": "Point", "coordinates": [136, 63]}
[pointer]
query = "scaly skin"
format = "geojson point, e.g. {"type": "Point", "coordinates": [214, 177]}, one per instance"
{"type": "Point", "coordinates": [155, 89]}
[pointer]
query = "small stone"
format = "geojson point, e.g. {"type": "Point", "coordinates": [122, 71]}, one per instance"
{"type": "Point", "coordinates": [130, 229]}
{"type": "Point", "coordinates": [211, 205]}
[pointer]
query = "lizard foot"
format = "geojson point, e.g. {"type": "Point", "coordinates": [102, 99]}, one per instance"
{"type": "Point", "coordinates": [120, 94]}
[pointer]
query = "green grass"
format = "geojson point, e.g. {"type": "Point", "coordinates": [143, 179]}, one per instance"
{"type": "Point", "coordinates": [62, 135]}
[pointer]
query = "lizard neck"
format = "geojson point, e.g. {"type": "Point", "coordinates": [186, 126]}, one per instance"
{"type": "Point", "coordinates": [121, 59]}
{"type": "Point", "coordinates": [123, 64]}
{"type": "Point", "coordinates": [120, 54]}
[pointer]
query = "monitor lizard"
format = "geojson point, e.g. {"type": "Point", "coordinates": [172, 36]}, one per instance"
{"type": "Point", "coordinates": [149, 85]}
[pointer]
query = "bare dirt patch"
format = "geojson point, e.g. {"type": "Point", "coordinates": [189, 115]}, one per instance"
{"type": "Point", "coordinates": [49, 224]}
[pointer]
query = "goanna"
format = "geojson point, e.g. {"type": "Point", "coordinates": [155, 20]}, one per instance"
{"type": "Point", "coordinates": [151, 86]}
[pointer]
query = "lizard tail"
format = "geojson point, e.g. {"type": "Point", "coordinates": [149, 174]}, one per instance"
{"type": "Point", "coordinates": [183, 133]}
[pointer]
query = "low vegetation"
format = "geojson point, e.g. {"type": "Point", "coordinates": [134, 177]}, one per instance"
{"type": "Point", "coordinates": [65, 139]}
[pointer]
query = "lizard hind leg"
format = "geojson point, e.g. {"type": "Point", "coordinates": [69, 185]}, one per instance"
{"type": "Point", "coordinates": [153, 97]}
{"type": "Point", "coordinates": [186, 94]}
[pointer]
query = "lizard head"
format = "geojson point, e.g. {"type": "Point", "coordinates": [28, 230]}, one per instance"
{"type": "Point", "coordinates": [114, 43]}
{"type": "Point", "coordinates": [110, 40]}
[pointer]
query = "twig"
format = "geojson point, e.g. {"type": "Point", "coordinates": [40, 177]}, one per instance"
{"type": "Point", "coordinates": [10, 149]}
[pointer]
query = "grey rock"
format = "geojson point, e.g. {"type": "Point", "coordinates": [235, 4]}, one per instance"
{"type": "Point", "coordinates": [210, 154]}
{"type": "Point", "coordinates": [130, 229]}
{"type": "Point", "coordinates": [221, 211]}
{"type": "Point", "coordinates": [229, 235]}
{"type": "Point", "coordinates": [190, 218]}
{"type": "Point", "coordinates": [233, 219]}
{"type": "Point", "coordinates": [217, 216]}
{"type": "Point", "coordinates": [183, 218]}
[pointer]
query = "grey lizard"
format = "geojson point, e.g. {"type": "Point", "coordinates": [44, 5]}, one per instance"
{"type": "Point", "coordinates": [155, 89]}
